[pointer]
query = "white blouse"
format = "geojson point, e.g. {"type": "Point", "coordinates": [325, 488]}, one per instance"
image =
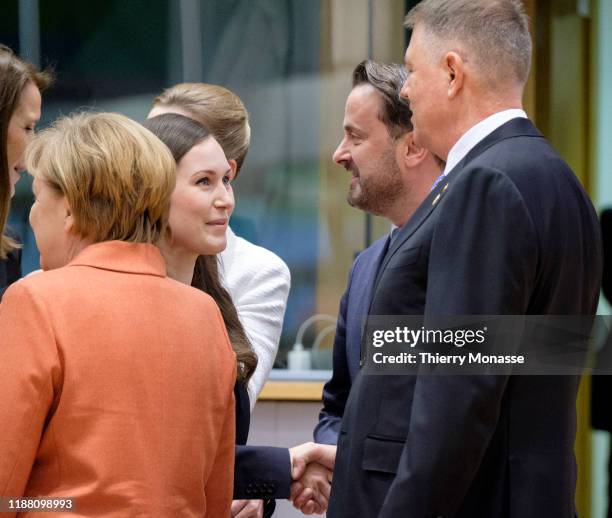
{"type": "Point", "coordinates": [258, 281]}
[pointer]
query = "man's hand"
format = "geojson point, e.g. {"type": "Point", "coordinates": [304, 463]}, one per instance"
{"type": "Point", "coordinates": [311, 493]}
{"type": "Point", "coordinates": [247, 509]}
{"type": "Point", "coordinates": [308, 452]}
{"type": "Point", "coordinates": [312, 466]}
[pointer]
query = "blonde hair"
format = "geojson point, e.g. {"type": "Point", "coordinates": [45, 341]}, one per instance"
{"type": "Point", "coordinates": [218, 109]}
{"type": "Point", "coordinates": [116, 175]}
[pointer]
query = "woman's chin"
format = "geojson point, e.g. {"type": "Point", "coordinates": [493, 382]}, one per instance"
{"type": "Point", "coordinates": [216, 247]}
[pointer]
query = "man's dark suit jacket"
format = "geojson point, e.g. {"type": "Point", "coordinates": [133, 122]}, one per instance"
{"type": "Point", "coordinates": [601, 386]}
{"type": "Point", "coordinates": [354, 307]}
{"type": "Point", "coordinates": [513, 233]}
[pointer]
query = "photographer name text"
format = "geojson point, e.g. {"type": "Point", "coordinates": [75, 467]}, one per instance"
{"type": "Point", "coordinates": [425, 358]}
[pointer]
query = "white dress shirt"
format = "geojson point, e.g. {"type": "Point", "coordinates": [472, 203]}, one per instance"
{"type": "Point", "coordinates": [258, 281]}
{"type": "Point", "coordinates": [477, 133]}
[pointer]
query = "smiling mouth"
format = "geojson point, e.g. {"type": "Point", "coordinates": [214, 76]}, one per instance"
{"type": "Point", "coordinates": [218, 222]}
{"type": "Point", "coordinates": [350, 169]}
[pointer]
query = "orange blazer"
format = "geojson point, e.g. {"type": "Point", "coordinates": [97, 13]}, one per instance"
{"type": "Point", "coordinates": [116, 389]}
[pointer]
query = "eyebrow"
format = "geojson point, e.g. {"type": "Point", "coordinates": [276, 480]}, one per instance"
{"type": "Point", "coordinates": [208, 171]}
{"type": "Point", "coordinates": [350, 128]}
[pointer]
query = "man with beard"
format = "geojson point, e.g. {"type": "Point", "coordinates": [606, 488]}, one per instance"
{"type": "Point", "coordinates": [390, 177]}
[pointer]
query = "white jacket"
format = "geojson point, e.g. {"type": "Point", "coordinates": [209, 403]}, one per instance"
{"type": "Point", "coordinates": [258, 281]}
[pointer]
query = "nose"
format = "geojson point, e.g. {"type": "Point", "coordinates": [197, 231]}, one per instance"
{"type": "Point", "coordinates": [224, 198]}
{"type": "Point", "coordinates": [404, 90]}
{"type": "Point", "coordinates": [341, 156]}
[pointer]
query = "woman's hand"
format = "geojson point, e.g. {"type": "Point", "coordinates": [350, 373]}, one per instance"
{"type": "Point", "coordinates": [247, 508]}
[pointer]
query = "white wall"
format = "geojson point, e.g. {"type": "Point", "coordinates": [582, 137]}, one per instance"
{"type": "Point", "coordinates": [283, 424]}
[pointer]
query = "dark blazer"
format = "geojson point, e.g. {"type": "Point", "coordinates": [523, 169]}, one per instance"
{"type": "Point", "coordinates": [601, 386]}
{"type": "Point", "coordinates": [10, 268]}
{"type": "Point", "coordinates": [509, 231]}
{"type": "Point", "coordinates": [354, 307]}
{"type": "Point", "coordinates": [260, 472]}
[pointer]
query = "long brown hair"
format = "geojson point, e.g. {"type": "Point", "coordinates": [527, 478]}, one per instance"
{"type": "Point", "coordinates": [15, 74]}
{"type": "Point", "coordinates": [180, 134]}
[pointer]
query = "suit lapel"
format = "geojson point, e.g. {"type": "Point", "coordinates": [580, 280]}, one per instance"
{"type": "Point", "coordinates": [374, 267]}
{"type": "Point", "coordinates": [364, 276]}
{"type": "Point", "coordinates": [359, 301]}
{"type": "Point", "coordinates": [412, 225]}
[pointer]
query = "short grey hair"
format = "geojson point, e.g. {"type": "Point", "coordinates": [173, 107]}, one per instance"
{"type": "Point", "coordinates": [494, 33]}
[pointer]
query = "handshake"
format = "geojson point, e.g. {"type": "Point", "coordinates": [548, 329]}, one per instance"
{"type": "Point", "coordinates": [311, 471]}
{"type": "Point", "coordinates": [312, 466]}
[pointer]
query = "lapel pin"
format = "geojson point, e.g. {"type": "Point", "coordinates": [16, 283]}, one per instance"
{"type": "Point", "coordinates": [436, 199]}
{"type": "Point", "coordinates": [445, 187]}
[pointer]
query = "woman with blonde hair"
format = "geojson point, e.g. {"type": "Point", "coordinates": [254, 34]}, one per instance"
{"type": "Point", "coordinates": [116, 381]}
{"type": "Point", "coordinates": [257, 279]}
{"type": "Point", "coordinates": [21, 84]}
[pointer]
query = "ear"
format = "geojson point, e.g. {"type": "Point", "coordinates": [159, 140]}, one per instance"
{"type": "Point", "coordinates": [455, 69]}
{"type": "Point", "coordinates": [412, 154]}
{"type": "Point", "coordinates": [68, 217]}
{"type": "Point", "coordinates": [234, 165]}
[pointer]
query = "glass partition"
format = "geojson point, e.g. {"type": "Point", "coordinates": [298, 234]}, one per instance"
{"type": "Point", "coordinates": [290, 61]}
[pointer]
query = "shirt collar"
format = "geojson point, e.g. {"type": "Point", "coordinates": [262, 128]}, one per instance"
{"type": "Point", "coordinates": [121, 256]}
{"type": "Point", "coordinates": [477, 133]}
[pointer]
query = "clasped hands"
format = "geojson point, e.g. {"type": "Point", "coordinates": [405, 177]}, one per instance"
{"type": "Point", "coordinates": [311, 471]}
{"type": "Point", "coordinates": [312, 466]}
